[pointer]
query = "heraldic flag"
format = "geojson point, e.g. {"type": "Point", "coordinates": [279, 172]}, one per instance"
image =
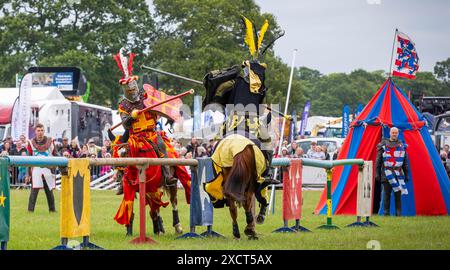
{"type": "Point", "coordinates": [170, 110]}
{"type": "Point", "coordinates": [75, 200]}
{"type": "Point", "coordinates": [407, 60]}
{"type": "Point", "coordinates": [4, 201]}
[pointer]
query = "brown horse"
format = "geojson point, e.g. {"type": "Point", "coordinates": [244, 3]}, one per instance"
{"type": "Point", "coordinates": [239, 186]}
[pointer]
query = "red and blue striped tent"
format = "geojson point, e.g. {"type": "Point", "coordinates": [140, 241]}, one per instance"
{"type": "Point", "coordinates": [428, 186]}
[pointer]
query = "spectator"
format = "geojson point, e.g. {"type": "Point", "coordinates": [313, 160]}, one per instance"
{"type": "Point", "coordinates": [299, 153]}
{"type": "Point", "coordinates": [63, 147]}
{"type": "Point", "coordinates": [292, 148]}
{"type": "Point", "coordinates": [445, 161]}
{"type": "Point", "coordinates": [312, 149]}
{"type": "Point", "coordinates": [107, 168]}
{"type": "Point", "coordinates": [336, 153]}
{"type": "Point", "coordinates": [74, 149]}
{"type": "Point", "coordinates": [22, 170]}
{"type": "Point", "coordinates": [192, 146]}
{"type": "Point", "coordinates": [188, 155]}
{"type": "Point", "coordinates": [7, 150]}
{"type": "Point", "coordinates": [325, 151]}
{"type": "Point", "coordinates": [107, 144]}
{"type": "Point", "coordinates": [84, 152]}
{"type": "Point", "coordinates": [447, 150]}
{"type": "Point", "coordinates": [23, 139]}
{"type": "Point", "coordinates": [8, 140]}
{"type": "Point", "coordinates": [318, 153]}
{"type": "Point", "coordinates": [182, 152]}
{"type": "Point", "coordinates": [20, 148]}
{"type": "Point", "coordinates": [201, 152]}
{"type": "Point", "coordinates": [93, 148]}
{"type": "Point", "coordinates": [66, 154]}
{"type": "Point", "coordinates": [285, 153]}
{"type": "Point", "coordinates": [103, 152]}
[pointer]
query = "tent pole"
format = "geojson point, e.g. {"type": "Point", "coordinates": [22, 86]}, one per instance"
{"type": "Point", "coordinates": [392, 52]}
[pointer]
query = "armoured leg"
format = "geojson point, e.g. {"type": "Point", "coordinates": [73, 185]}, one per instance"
{"type": "Point", "coordinates": [130, 226]}
{"type": "Point", "coordinates": [32, 200]}
{"type": "Point", "coordinates": [398, 203]}
{"type": "Point", "coordinates": [387, 190]}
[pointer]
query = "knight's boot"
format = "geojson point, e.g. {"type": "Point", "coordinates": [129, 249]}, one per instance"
{"type": "Point", "coordinates": [130, 226]}
{"type": "Point", "coordinates": [268, 173]}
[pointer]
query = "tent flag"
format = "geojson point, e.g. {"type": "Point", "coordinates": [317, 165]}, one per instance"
{"type": "Point", "coordinates": [4, 201]}
{"type": "Point", "coordinates": [75, 200]}
{"type": "Point", "coordinates": [201, 210]}
{"type": "Point", "coordinates": [407, 60]}
{"type": "Point", "coordinates": [345, 120]}
{"type": "Point", "coordinates": [428, 186]}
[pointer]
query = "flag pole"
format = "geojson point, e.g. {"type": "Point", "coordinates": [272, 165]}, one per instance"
{"type": "Point", "coordinates": [392, 52]}
{"type": "Point", "coordinates": [272, 193]}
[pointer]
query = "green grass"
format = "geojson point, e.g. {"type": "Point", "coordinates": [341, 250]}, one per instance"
{"type": "Point", "coordinates": [40, 230]}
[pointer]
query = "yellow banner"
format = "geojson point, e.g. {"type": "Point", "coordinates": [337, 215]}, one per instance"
{"type": "Point", "coordinates": [75, 200]}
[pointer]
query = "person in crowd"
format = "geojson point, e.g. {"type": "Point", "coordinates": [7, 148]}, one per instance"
{"type": "Point", "coordinates": [325, 151]}
{"type": "Point", "coordinates": [285, 153]}
{"type": "Point", "coordinates": [107, 144]}
{"type": "Point", "coordinates": [318, 153]}
{"type": "Point", "coordinates": [84, 152]}
{"type": "Point", "coordinates": [292, 148]}
{"type": "Point", "coordinates": [201, 152]}
{"type": "Point", "coordinates": [447, 150]}
{"type": "Point", "coordinates": [7, 149]}
{"type": "Point", "coordinates": [299, 153]}
{"type": "Point", "coordinates": [312, 149]}
{"type": "Point", "coordinates": [192, 146]}
{"type": "Point", "coordinates": [20, 148]}
{"type": "Point", "coordinates": [107, 168]}
{"type": "Point", "coordinates": [41, 146]}
{"type": "Point", "coordinates": [336, 153]}
{"type": "Point", "coordinates": [22, 171]}
{"type": "Point", "coordinates": [63, 147]}
{"type": "Point", "coordinates": [392, 170]}
{"type": "Point", "coordinates": [74, 149]}
{"type": "Point", "coordinates": [103, 152]}
{"type": "Point", "coordinates": [93, 148]}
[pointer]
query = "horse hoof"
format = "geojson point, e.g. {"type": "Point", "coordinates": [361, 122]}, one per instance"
{"type": "Point", "coordinates": [178, 229]}
{"type": "Point", "coordinates": [253, 237]}
{"type": "Point", "coordinates": [260, 219]}
{"type": "Point", "coordinates": [237, 237]}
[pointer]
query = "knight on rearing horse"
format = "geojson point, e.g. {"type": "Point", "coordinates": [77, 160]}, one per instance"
{"type": "Point", "coordinates": [241, 90]}
{"type": "Point", "coordinates": [143, 140]}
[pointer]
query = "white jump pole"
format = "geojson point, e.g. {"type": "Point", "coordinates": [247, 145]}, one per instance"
{"type": "Point", "coordinates": [272, 193]}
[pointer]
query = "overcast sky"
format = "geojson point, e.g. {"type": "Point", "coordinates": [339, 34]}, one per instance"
{"type": "Point", "coordinates": [341, 36]}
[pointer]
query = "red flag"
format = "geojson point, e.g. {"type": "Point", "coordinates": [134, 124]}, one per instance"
{"type": "Point", "coordinates": [292, 191]}
{"type": "Point", "coordinates": [170, 110]}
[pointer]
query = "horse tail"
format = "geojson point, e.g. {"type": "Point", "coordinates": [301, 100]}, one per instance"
{"type": "Point", "coordinates": [242, 175]}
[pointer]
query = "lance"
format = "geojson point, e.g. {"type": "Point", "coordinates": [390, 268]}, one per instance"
{"type": "Point", "coordinates": [272, 193]}
{"type": "Point", "coordinates": [189, 92]}
{"type": "Point", "coordinates": [288, 117]}
{"type": "Point", "coordinates": [171, 74]}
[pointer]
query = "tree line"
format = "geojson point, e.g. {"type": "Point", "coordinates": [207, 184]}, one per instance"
{"type": "Point", "coordinates": [186, 37]}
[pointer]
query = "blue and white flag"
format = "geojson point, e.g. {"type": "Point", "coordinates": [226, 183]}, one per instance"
{"type": "Point", "coordinates": [345, 120]}
{"type": "Point", "coordinates": [305, 118]}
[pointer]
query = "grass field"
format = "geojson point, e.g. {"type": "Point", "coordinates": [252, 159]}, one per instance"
{"type": "Point", "coordinates": [40, 230]}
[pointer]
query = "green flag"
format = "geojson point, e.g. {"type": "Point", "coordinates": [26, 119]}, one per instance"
{"type": "Point", "coordinates": [4, 200]}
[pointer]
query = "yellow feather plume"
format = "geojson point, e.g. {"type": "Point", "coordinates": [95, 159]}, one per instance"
{"type": "Point", "coordinates": [262, 32]}
{"type": "Point", "coordinates": [249, 35]}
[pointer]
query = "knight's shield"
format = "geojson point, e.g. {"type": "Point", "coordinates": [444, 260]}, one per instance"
{"type": "Point", "coordinates": [78, 183]}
